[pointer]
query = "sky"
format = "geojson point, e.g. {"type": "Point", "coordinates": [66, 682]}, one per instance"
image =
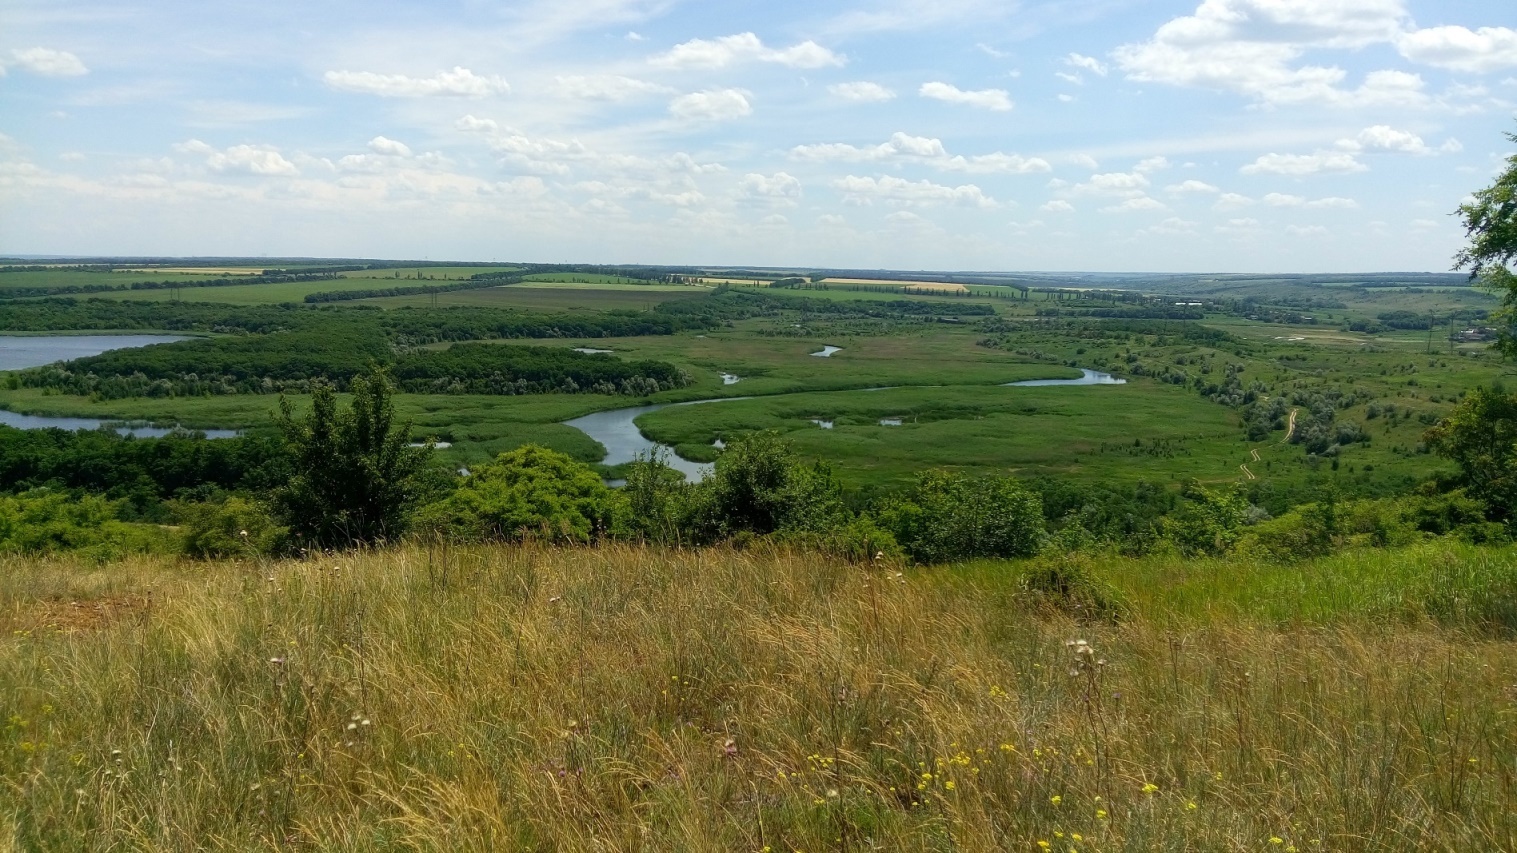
{"type": "Point", "coordinates": [1077, 135]}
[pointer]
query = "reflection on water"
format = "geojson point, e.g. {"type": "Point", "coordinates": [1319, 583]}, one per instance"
{"type": "Point", "coordinates": [821, 423]}
{"type": "Point", "coordinates": [19, 352]}
{"type": "Point", "coordinates": [1087, 377]}
{"type": "Point", "coordinates": [592, 351]}
{"type": "Point", "coordinates": [827, 351]}
{"type": "Point", "coordinates": [731, 379]}
{"type": "Point", "coordinates": [890, 421]}
{"type": "Point", "coordinates": [141, 431]}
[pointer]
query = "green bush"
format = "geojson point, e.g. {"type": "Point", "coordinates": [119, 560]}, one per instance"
{"type": "Point", "coordinates": [529, 493]}
{"type": "Point", "coordinates": [44, 522]}
{"type": "Point", "coordinates": [950, 517]}
{"type": "Point", "coordinates": [1207, 522]}
{"type": "Point", "coordinates": [236, 527]}
{"type": "Point", "coordinates": [759, 487]}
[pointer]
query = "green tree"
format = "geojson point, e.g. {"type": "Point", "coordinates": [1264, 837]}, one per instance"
{"type": "Point", "coordinates": [1490, 224]}
{"type": "Point", "coordinates": [760, 486]}
{"type": "Point", "coordinates": [1480, 436]}
{"type": "Point", "coordinates": [530, 492]}
{"type": "Point", "coordinates": [950, 517]}
{"type": "Point", "coordinates": [356, 480]}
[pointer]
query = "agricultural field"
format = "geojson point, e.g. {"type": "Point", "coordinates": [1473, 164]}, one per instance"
{"type": "Point", "coordinates": [526, 297]}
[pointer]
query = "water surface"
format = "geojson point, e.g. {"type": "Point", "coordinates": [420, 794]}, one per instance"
{"type": "Point", "coordinates": [140, 430]}
{"type": "Point", "coordinates": [18, 352]}
{"type": "Point", "coordinates": [827, 351]}
{"type": "Point", "coordinates": [1087, 377]}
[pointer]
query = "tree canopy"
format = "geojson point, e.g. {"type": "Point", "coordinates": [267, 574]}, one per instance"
{"type": "Point", "coordinates": [1490, 224]}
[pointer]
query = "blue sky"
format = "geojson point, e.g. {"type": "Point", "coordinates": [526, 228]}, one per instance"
{"type": "Point", "coordinates": [1233, 135]}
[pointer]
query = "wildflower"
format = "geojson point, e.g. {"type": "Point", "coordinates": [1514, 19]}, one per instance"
{"type": "Point", "coordinates": [832, 793]}
{"type": "Point", "coordinates": [1190, 806]}
{"type": "Point", "coordinates": [1044, 844]}
{"type": "Point", "coordinates": [1150, 788]}
{"type": "Point", "coordinates": [1056, 799]}
{"type": "Point", "coordinates": [1100, 814]}
{"type": "Point", "coordinates": [949, 785]}
{"type": "Point", "coordinates": [1275, 839]}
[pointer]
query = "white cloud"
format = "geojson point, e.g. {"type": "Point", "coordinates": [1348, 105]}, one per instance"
{"type": "Point", "coordinates": [1332, 202]}
{"type": "Point", "coordinates": [251, 160]}
{"type": "Point", "coordinates": [470, 124]}
{"type": "Point", "coordinates": [1066, 99]}
{"type": "Point", "coordinates": [1137, 204]}
{"type": "Point", "coordinates": [1152, 164]}
{"type": "Point", "coordinates": [985, 99]}
{"type": "Point", "coordinates": [46, 62]}
{"type": "Point", "coordinates": [779, 188]}
{"type": "Point", "coordinates": [714, 105]}
{"type": "Point", "coordinates": [1089, 63]}
{"type": "Point", "coordinates": [1480, 51]}
{"type": "Point", "coordinates": [1238, 227]}
{"type": "Point", "coordinates": [1172, 225]}
{"type": "Point", "coordinates": [861, 92]}
{"type": "Point", "coordinates": [1070, 78]}
{"type": "Point", "coordinates": [1385, 138]}
{"type": "Point", "coordinates": [458, 83]}
{"type": "Point", "coordinates": [864, 190]}
{"type": "Point", "coordinates": [831, 220]}
{"type": "Point", "coordinates": [1254, 48]}
{"type": "Point", "coordinates": [1057, 205]}
{"type": "Point", "coordinates": [1115, 183]}
{"type": "Point", "coordinates": [925, 149]}
{"type": "Point", "coordinates": [633, 36]}
{"type": "Point", "coordinates": [1232, 201]}
{"type": "Point", "coordinates": [1282, 200]}
{"type": "Point", "coordinates": [607, 87]}
{"type": "Point", "coordinates": [745, 47]}
{"type": "Point", "coordinates": [1306, 230]}
{"type": "Point", "coordinates": [389, 147]}
{"type": "Point", "coordinates": [990, 51]}
{"type": "Point", "coordinates": [1304, 164]}
{"type": "Point", "coordinates": [1191, 187]}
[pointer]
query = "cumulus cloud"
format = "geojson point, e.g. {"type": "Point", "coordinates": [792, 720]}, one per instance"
{"type": "Point", "coordinates": [260, 160]}
{"type": "Point", "coordinates": [389, 147]}
{"type": "Point", "coordinates": [1286, 200]}
{"type": "Point", "coordinates": [1114, 183]}
{"type": "Point", "coordinates": [470, 124]}
{"type": "Point", "coordinates": [1057, 205]}
{"type": "Point", "coordinates": [862, 92]}
{"type": "Point", "coordinates": [779, 188]}
{"type": "Point", "coordinates": [927, 150]}
{"type": "Point", "coordinates": [714, 105]}
{"type": "Point", "coordinates": [1088, 63]}
{"type": "Point", "coordinates": [1152, 164]}
{"type": "Point", "coordinates": [745, 47]}
{"type": "Point", "coordinates": [1232, 201]}
{"type": "Point", "coordinates": [458, 83]}
{"type": "Point", "coordinates": [1137, 204]}
{"type": "Point", "coordinates": [607, 87]}
{"type": "Point", "coordinates": [864, 190]}
{"type": "Point", "coordinates": [1255, 48]}
{"type": "Point", "coordinates": [1385, 138]}
{"type": "Point", "coordinates": [1304, 164]}
{"type": "Point", "coordinates": [1192, 187]}
{"type": "Point", "coordinates": [1480, 51]}
{"type": "Point", "coordinates": [46, 62]}
{"type": "Point", "coordinates": [985, 99]}
{"type": "Point", "coordinates": [1171, 226]}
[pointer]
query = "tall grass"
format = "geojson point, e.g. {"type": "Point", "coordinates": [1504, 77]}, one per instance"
{"type": "Point", "coordinates": [625, 698]}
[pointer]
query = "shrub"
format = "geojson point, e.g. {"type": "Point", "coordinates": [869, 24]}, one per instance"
{"type": "Point", "coordinates": [236, 527]}
{"type": "Point", "coordinates": [761, 487]}
{"type": "Point", "coordinates": [530, 492]}
{"type": "Point", "coordinates": [950, 517]}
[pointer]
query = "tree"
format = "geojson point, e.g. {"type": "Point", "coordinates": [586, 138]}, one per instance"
{"type": "Point", "coordinates": [1480, 436]}
{"type": "Point", "coordinates": [356, 479]}
{"type": "Point", "coordinates": [1490, 224]}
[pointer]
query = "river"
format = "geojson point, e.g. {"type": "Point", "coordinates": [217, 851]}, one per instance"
{"type": "Point", "coordinates": [617, 430]}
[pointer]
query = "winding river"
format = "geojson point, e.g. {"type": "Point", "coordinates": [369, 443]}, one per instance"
{"type": "Point", "coordinates": [617, 429]}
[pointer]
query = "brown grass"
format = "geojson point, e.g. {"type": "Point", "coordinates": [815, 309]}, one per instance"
{"type": "Point", "coordinates": [636, 699]}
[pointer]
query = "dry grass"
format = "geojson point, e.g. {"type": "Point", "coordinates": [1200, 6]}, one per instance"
{"type": "Point", "coordinates": [635, 699]}
{"type": "Point", "coordinates": [945, 287]}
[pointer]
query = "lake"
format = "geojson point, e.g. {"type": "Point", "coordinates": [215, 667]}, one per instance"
{"type": "Point", "coordinates": [18, 352]}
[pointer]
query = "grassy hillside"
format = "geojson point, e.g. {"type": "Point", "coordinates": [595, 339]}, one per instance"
{"type": "Point", "coordinates": [632, 699]}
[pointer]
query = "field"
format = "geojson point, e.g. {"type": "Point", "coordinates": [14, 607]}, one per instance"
{"type": "Point", "coordinates": [944, 287]}
{"type": "Point", "coordinates": [535, 298]}
{"type": "Point", "coordinates": [634, 699]}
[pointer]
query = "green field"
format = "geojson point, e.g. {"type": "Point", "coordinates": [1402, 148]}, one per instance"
{"type": "Point", "coordinates": [536, 298]}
